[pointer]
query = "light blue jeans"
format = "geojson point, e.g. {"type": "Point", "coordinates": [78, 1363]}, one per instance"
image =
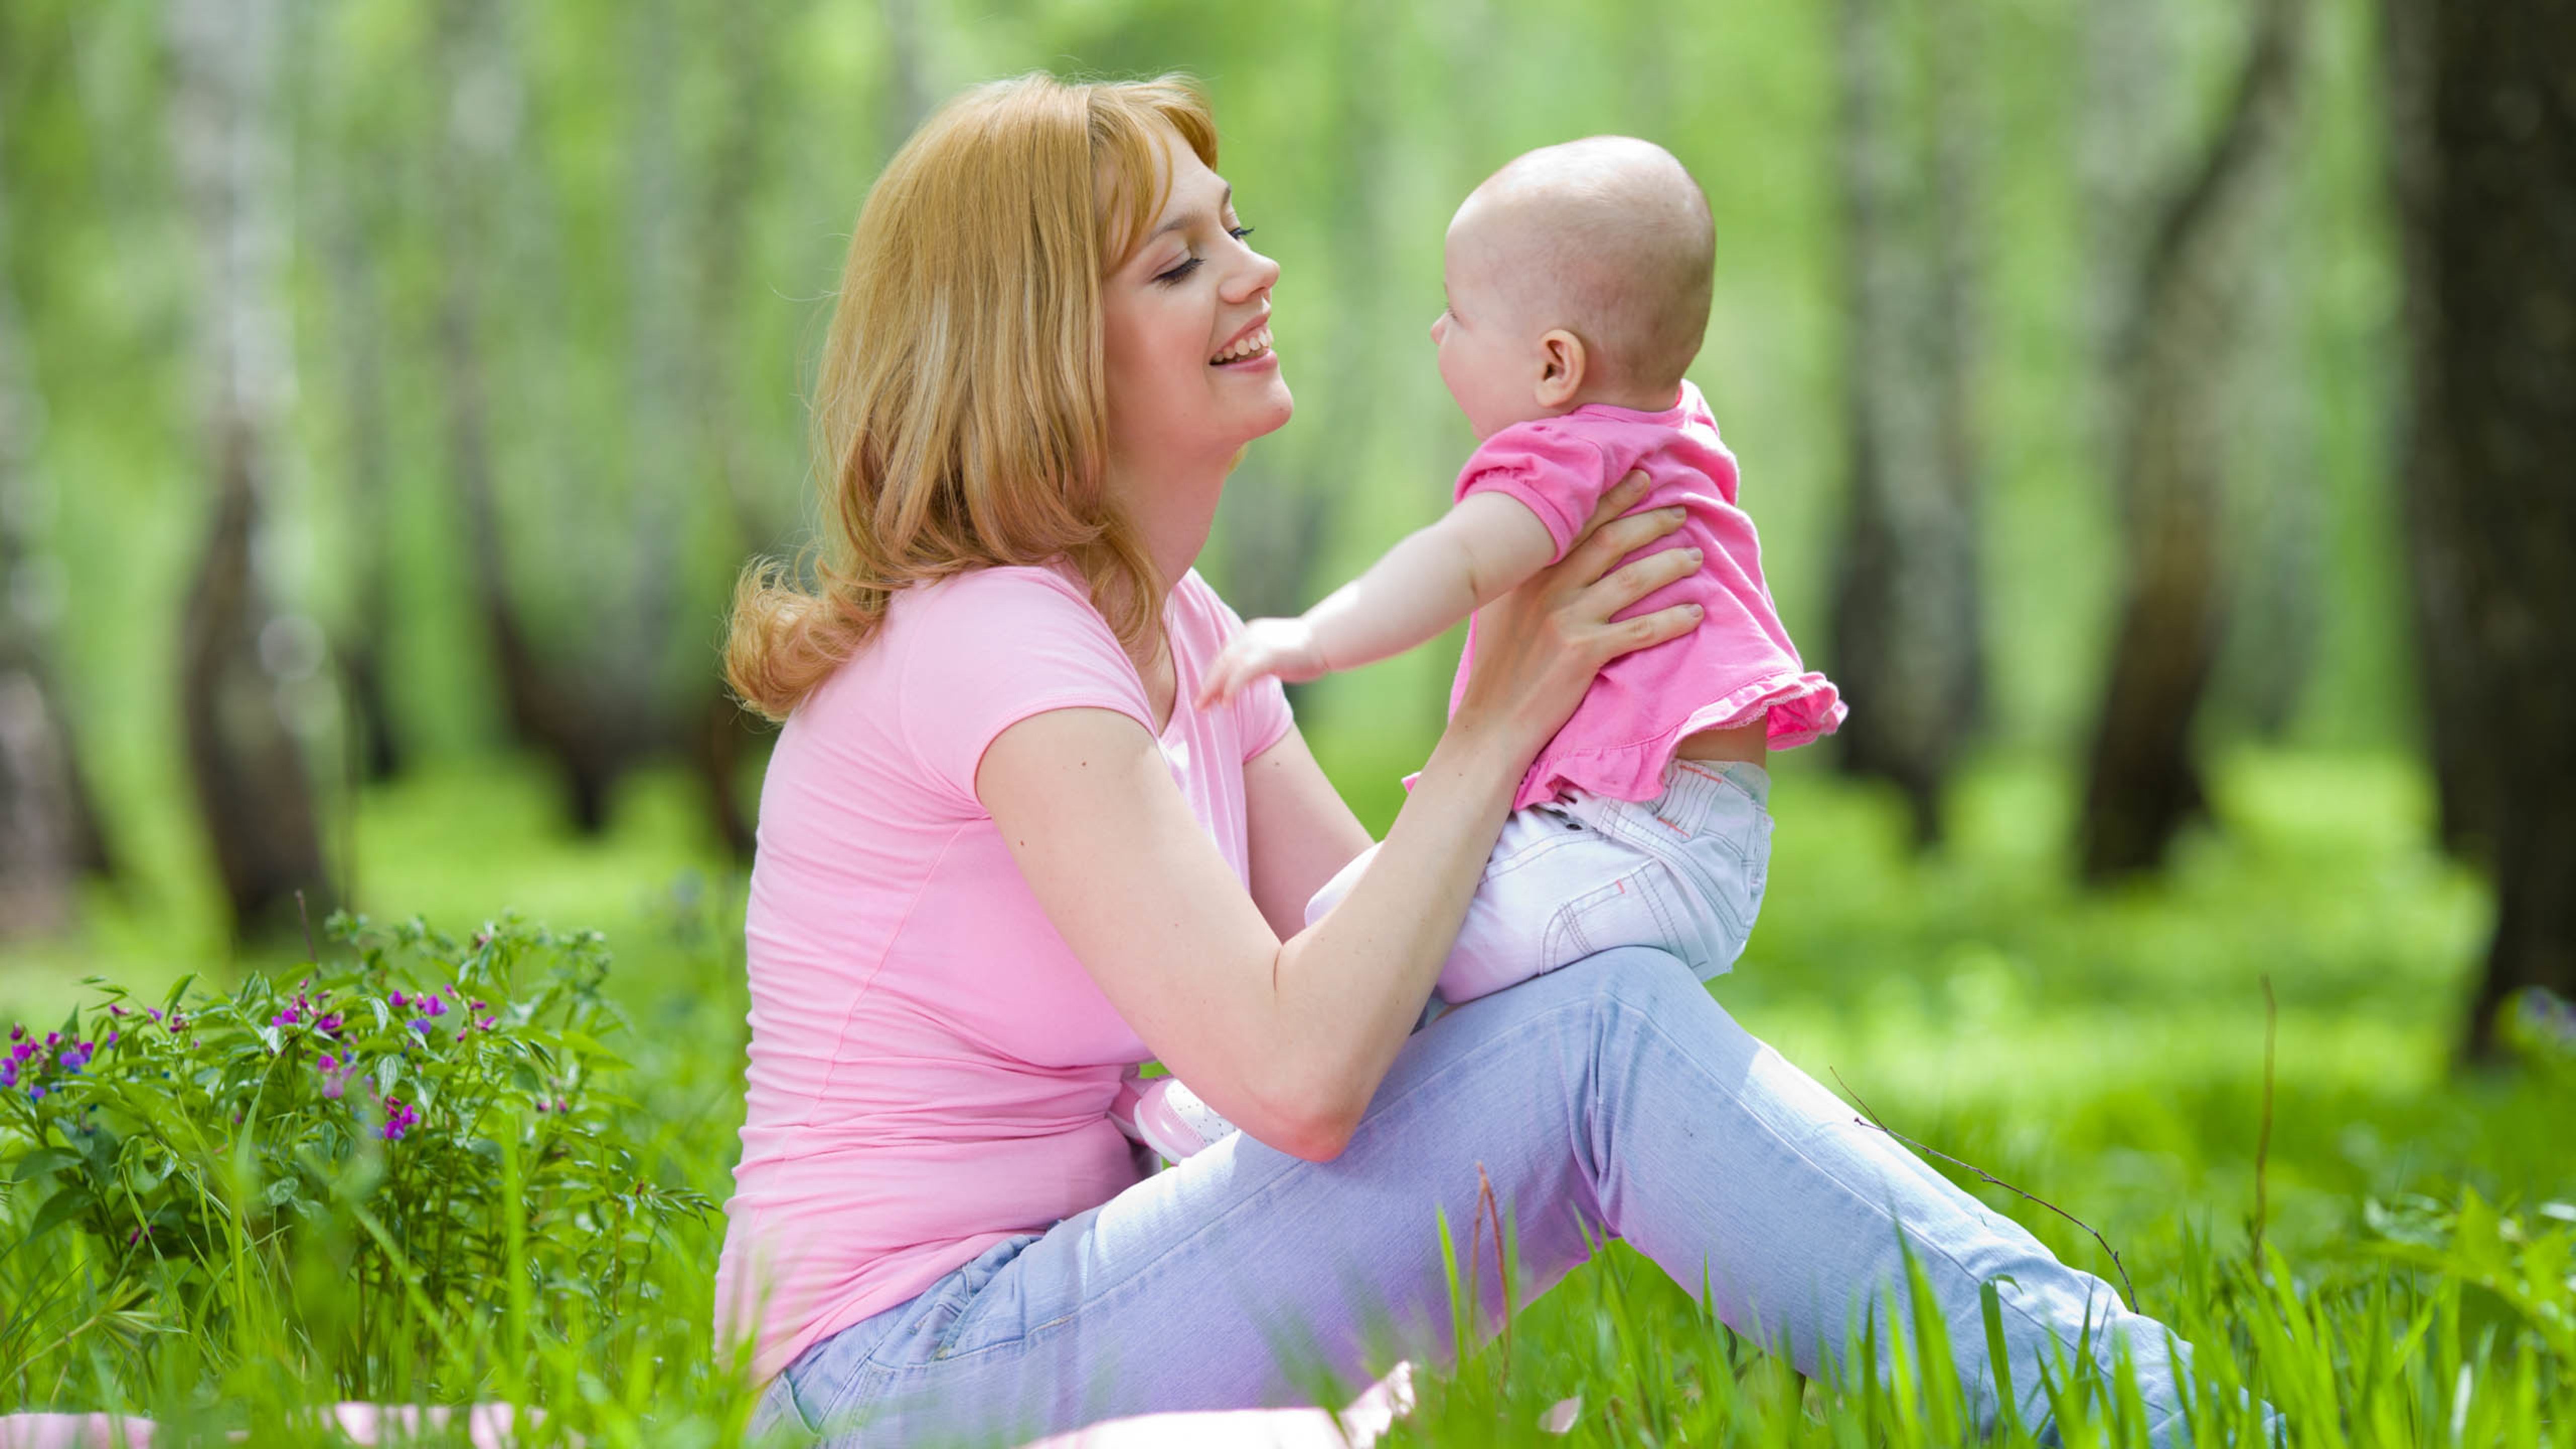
{"type": "Point", "coordinates": [1682, 872]}
{"type": "Point", "coordinates": [1613, 1097]}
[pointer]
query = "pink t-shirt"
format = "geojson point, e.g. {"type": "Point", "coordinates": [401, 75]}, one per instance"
{"type": "Point", "coordinates": [1737, 665]}
{"type": "Point", "coordinates": [931, 1069]}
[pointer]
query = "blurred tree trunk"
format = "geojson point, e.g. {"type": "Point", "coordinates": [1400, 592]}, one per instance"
{"type": "Point", "coordinates": [2441, 566]}
{"type": "Point", "coordinates": [560, 710]}
{"type": "Point", "coordinates": [242, 751]}
{"type": "Point", "coordinates": [352, 231]}
{"type": "Point", "coordinates": [722, 733]}
{"type": "Point", "coordinates": [1907, 620]}
{"type": "Point", "coordinates": [2141, 781]}
{"type": "Point", "coordinates": [49, 832]}
{"type": "Point", "coordinates": [2484, 153]}
{"type": "Point", "coordinates": [2274, 512]}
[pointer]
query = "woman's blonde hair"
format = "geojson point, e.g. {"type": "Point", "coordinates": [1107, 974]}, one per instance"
{"type": "Point", "coordinates": [961, 417]}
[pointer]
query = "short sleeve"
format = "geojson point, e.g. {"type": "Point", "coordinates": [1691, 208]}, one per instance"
{"type": "Point", "coordinates": [1548, 470]}
{"type": "Point", "coordinates": [1203, 624]}
{"type": "Point", "coordinates": [986, 650]}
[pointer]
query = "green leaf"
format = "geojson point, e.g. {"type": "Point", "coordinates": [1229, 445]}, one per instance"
{"type": "Point", "coordinates": [63, 1206]}
{"type": "Point", "coordinates": [44, 1160]}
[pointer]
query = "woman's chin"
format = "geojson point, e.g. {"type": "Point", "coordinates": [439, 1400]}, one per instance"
{"type": "Point", "coordinates": [1274, 410]}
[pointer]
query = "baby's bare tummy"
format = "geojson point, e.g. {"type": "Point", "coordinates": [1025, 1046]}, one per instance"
{"type": "Point", "coordinates": [1749, 742]}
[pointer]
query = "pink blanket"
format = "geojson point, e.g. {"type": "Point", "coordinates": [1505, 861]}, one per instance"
{"type": "Point", "coordinates": [488, 1426]}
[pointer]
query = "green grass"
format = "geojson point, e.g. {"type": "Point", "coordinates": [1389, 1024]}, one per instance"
{"type": "Point", "coordinates": [2104, 1052]}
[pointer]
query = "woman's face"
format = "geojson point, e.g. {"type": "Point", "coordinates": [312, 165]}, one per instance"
{"type": "Point", "coordinates": [1185, 327]}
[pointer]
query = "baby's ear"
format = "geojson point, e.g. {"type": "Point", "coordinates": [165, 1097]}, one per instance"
{"type": "Point", "coordinates": [1561, 368]}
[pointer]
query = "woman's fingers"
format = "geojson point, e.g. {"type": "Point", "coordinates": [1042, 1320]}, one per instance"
{"type": "Point", "coordinates": [1637, 578]}
{"type": "Point", "coordinates": [1616, 540]}
{"type": "Point", "coordinates": [1647, 630]}
{"type": "Point", "coordinates": [1623, 495]}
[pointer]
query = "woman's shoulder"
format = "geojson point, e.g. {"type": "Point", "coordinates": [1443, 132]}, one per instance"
{"type": "Point", "coordinates": [986, 625]}
{"type": "Point", "coordinates": [997, 595]}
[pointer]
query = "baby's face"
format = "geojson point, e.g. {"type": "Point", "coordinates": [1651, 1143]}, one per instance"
{"type": "Point", "coordinates": [1489, 348]}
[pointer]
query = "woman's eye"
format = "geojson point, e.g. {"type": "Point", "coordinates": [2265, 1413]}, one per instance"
{"type": "Point", "coordinates": [1238, 232]}
{"type": "Point", "coordinates": [1178, 272]}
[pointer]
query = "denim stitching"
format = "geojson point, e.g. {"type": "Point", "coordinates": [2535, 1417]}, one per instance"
{"type": "Point", "coordinates": [1260, 1195]}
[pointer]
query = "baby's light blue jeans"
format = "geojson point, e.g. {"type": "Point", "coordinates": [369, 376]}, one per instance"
{"type": "Point", "coordinates": [1613, 1097]}
{"type": "Point", "coordinates": [1683, 872]}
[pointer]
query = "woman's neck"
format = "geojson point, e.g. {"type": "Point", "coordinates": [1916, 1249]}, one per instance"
{"type": "Point", "coordinates": [1172, 510]}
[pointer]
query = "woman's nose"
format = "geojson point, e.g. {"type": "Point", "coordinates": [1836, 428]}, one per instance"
{"type": "Point", "coordinates": [1253, 279]}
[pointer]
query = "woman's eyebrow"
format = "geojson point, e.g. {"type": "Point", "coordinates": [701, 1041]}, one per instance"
{"type": "Point", "coordinates": [1186, 218]}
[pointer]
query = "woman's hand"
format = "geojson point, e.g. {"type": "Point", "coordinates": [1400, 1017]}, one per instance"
{"type": "Point", "coordinates": [1538, 646]}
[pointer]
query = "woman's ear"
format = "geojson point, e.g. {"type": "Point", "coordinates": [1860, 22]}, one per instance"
{"type": "Point", "coordinates": [1561, 368]}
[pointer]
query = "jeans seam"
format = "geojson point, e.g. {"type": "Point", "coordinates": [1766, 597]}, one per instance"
{"type": "Point", "coordinates": [1261, 1195]}
{"type": "Point", "coordinates": [1029, 1335]}
{"type": "Point", "coordinates": [1829, 1175]}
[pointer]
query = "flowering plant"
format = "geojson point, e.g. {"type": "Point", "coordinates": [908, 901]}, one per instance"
{"type": "Point", "coordinates": [375, 1127]}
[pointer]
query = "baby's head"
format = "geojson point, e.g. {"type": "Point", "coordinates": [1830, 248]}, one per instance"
{"type": "Point", "coordinates": [1576, 274]}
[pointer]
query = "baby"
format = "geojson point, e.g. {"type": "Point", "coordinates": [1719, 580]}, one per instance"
{"type": "Point", "coordinates": [1578, 290]}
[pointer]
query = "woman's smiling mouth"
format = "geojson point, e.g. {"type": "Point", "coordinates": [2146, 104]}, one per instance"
{"type": "Point", "coordinates": [1250, 346]}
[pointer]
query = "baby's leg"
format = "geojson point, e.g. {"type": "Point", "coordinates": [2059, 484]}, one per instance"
{"type": "Point", "coordinates": [1709, 836]}
{"type": "Point", "coordinates": [1683, 873]}
{"type": "Point", "coordinates": [1556, 889]}
{"type": "Point", "coordinates": [1167, 1116]}
{"type": "Point", "coordinates": [1503, 940]}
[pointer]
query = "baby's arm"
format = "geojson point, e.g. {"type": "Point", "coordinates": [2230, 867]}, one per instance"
{"type": "Point", "coordinates": [1439, 575]}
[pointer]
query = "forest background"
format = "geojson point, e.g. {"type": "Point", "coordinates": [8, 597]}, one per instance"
{"type": "Point", "coordinates": [390, 391]}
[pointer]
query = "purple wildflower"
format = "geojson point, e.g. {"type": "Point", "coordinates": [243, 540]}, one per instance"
{"type": "Point", "coordinates": [433, 1005]}
{"type": "Point", "coordinates": [400, 1117]}
{"type": "Point", "coordinates": [287, 1017]}
{"type": "Point", "coordinates": [328, 1024]}
{"type": "Point", "coordinates": [398, 1000]}
{"type": "Point", "coordinates": [9, 1073]}
{"type": "Point", "coordinates": [484, 1023]}
{"type": "Point", "coordinates": [18, 1032]}
{"type": "Point", "coordinates": [420, 1026]}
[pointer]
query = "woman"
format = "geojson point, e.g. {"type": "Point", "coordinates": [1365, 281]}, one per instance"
{"type": "Point", "coordinates": [1002, 859]}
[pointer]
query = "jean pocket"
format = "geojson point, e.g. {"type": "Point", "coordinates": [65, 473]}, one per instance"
{"type": "Point", "coordinates": [1635, 909]}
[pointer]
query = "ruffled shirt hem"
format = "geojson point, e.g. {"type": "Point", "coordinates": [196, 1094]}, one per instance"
{"type": "Point", "coordinates": [1799, 709]}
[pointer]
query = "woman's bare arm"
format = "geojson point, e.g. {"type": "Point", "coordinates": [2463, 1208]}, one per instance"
{"type": "Point", "coordinates": [1290, 1038]}
{"type": "Point", "coordinates": [1301, 832]}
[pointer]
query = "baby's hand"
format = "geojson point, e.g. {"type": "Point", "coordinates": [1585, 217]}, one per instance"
{"type": "Point", "coordinates": [1284, 647]}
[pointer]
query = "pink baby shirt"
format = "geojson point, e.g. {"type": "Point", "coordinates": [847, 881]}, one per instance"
{"type": "Point", "coordinates": [1736, 665]}
{"type": "Point", "coordinates": [931, 1069]}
